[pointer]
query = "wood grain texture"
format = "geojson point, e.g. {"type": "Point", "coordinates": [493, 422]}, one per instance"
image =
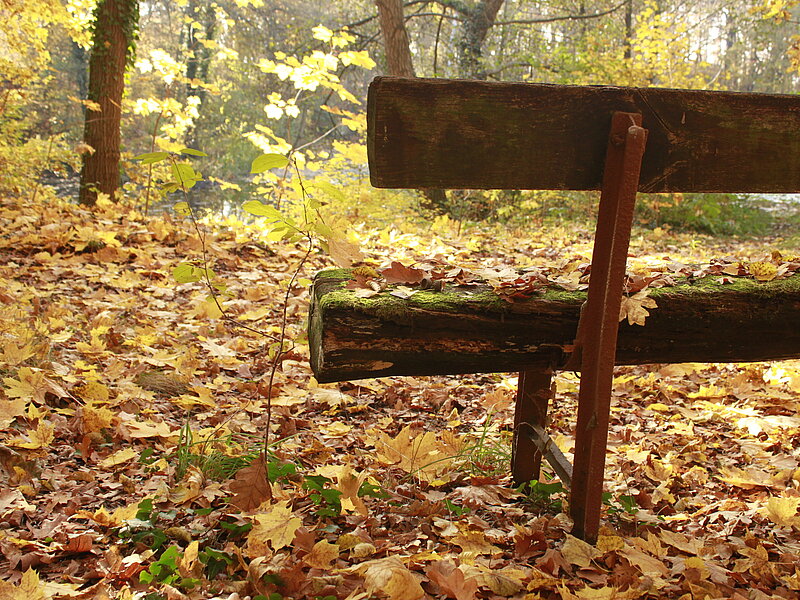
{"type": "Point", "coordinates": [468, 330]}
{"type": "Point", "coordinates": [433, 133]}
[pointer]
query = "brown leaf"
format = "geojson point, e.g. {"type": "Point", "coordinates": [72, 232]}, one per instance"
{"type": "Point", "coordinates": [634, 308]}
{"type": "Point", "coordinates": [391, 577]}
{"type": "Point", "coordinates": [451, 580]}
{"type": "Point", "coordinates": [344, 253]}
{"type": "Point", "coordinates": [399, 273]}
{"type": "Point", "coordinates": [251, 486]}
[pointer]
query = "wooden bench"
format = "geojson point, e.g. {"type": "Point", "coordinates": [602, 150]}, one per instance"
{"type": "Point", "coordinates": [465, 134]}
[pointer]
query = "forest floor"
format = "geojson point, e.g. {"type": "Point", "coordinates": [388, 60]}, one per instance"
{"type": "Point", "coordinates": [132, 418]}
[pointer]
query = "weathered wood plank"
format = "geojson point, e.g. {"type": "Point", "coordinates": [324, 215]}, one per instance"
{"type": "Point", "coordinates": [428, 133]}
{"type": "Point", "coordinates": [469, 330]}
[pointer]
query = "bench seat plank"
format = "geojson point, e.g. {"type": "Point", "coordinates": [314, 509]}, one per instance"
{"type": "Point", "coordinates": [471, 330]}
{"type": "Point", "coordinates": [429, 133]}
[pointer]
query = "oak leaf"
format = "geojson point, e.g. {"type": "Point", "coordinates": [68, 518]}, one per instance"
{"type": "Point", "coordinates": [634, 308]}
{"type": "Point", "coordinates": [275, 527]}
{"type": "Point", "coordinates": [251, 486]}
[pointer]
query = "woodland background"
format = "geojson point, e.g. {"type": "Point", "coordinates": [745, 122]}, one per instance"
{"type": "Point", "coordinates": [153, 342]}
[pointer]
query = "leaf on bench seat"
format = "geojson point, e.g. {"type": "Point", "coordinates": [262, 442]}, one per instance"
{"type": "Point", "coordinates": [634, 308]}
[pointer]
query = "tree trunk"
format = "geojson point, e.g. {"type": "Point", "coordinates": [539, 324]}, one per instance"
{"type": "Point", "coordinates": [395, 38]}
{"type": "Point", "coordinates": [400, 64]}
{"type": "Point", "coordinates": [114, 32]}
{"type": "Point", "coordinates": [477, 22]}
{"type": "Point", "coordinates": [471, 330]}
{"type": "Point", "coordinates": [199, 61]}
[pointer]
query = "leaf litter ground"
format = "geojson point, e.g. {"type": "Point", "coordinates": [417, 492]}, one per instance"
{"type": "Point", "coordinates": [132, 419]}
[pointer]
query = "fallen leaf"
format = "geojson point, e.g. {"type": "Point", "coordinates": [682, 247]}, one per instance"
{"type": "Point", "coordinates": [399, 273]}
{"type": "Point", "coordinates": [451, 580]}
{"type": "Point", "coordinates": [578, 552]}
{"type": "Point", "coordinates": [322, 555]}
{"type": "Point", "coordinates": [29, 588]}
{"type": "Point", "coordinates": [274, 527]}
{"type": "Point", "coordinates": [344, 253]}
{"type": "Point", "coordinates": [119, 457]}
{"type": "Point", "coordinates": [782, 511]}
{"type": "Point", "coordinates": [390, 577]}
{"type": "Point", "coordinates": [634, 308]}
{"type": "Point", "coordinates": [251, 486]}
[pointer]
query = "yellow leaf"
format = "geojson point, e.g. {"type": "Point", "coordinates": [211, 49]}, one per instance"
{"type": "Point", "coordinates": [96, 418]}
{"type": "Point", "coordinates": [603, 593]}
{"type": "Point", "coordinates": [696, 563]}
{"type": "Point", "coordinates": [390, 577]}
{"type": "Point", "coordinates": [609, 543]}
{"type": "Point", "coordinates": [421, 456]}
{"type": "Point", "coordinates": [336, 429]}
{"type": "Point", "coordinates": [30, 385]}
{"type": "Point", "coordinates": [349, 483]}
{"type": "Point", "coordinates": [29, 588]}
{"type": "Point", "coordinates": [39, 438]}
{"type": "Point", "coordinates": [322, 555]}
{"type": "Point", "coordinates": [119, 457]}
{"type": "Point", "coordinates": [782, 511]}
{"type": "Point", "coordinates": [147, 430]}
{"type": "Point", "coordinates": [578, 552]}
{"type": "Point", "coordinates": [634, 308]}
{"type": "Point", "coordinates": [473, 542]}
{"type": "Point", "coordinates": [763, 271]}
{"type": "Point", "coordinates": [275, 527]}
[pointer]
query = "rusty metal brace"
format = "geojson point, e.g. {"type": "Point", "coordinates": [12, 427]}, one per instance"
{"type": "Point", "coordinates": [596, 343]}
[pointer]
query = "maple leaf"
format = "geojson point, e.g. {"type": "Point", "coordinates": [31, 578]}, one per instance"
{"type": "Point", "coordinates": [399, 273]}
{"type": "Point", "coordinates": [11, 409]}
{"type": "Point", "coordinates": [578, 552]}
{"type": "Point", "coordinates": [275, 527]}
{"type": "Point", "coordinates": [634, 308]}
{"type": "Point", "coordinates": [451, 580]}
{"type": "Point", "coordinates": [38, 438]}
{"type": "Point", "coordinates": [419, 455]}
{"type": "Point", "coordinates": [29, 588]}
{"type": "Point", "coordinates": [763, 271]}
{"type": "Point", "coordinates": [390, 577]}
{"type": "Point", "coordinates": [322, 555]}
{"type": "Point", "coordinates": [782, 511]}
{"type": "Point", "coordinates": [503, 582]}
{"type": "Point", "coordinates": [251, 486]}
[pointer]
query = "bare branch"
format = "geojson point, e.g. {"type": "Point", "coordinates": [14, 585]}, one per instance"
{"type": "Point", "coordinates": [563, 17]}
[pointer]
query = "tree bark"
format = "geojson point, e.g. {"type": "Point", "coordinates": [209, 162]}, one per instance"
{"type": "Point", "coordinates": [114, 32]}
{"type": "Point", "coordinates": [395, 38]}
{"type": "Point", "coordinates": [199, 61]}
{"type": "Point", "coordinates": [477, 22]}
{"type": "Point", "coordinates": [471, 330]}
{"type": "Point", "coordinates": [400, 64]}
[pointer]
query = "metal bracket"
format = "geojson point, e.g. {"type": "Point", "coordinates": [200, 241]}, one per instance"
{"type": "Point", "coordinates": [599, 324]}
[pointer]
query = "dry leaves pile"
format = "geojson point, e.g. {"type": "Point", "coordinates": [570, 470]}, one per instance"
{"type": "Point", "coordinates": [131, 418]}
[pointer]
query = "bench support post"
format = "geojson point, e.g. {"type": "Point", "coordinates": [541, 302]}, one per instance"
{"type": "Point", "coordinates": [597, 332]}
{"type": "Point", "coordinates": [533, 396]}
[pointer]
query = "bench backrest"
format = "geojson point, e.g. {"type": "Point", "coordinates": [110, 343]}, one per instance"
{"type": "Point", "coordinates": [429, 133]}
